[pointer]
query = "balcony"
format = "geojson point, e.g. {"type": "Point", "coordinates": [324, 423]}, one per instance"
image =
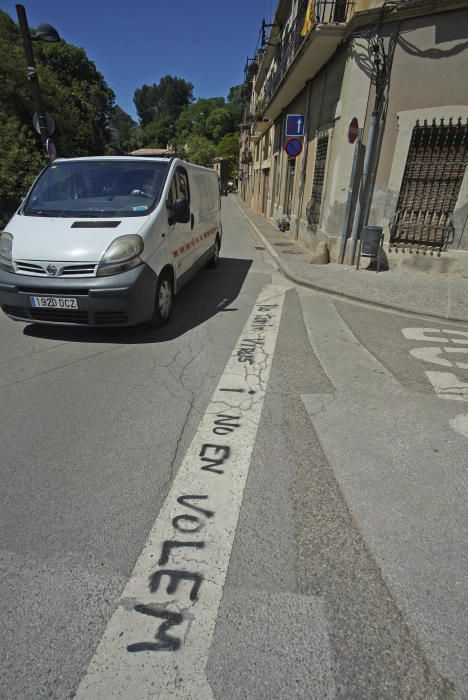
{"type": "Point", "coordinates": [298, 58]}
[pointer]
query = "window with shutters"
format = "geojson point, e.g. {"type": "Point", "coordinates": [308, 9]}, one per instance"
{"type": "Point", "coordinates": [315, 203]}
{"type": "Point", "coordinates": [434, 170]}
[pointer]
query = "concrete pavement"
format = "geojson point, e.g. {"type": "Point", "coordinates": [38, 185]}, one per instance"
{"type": "Point", "coordinates": [318, 601]}
{"type": "Point", "coordinates": [439, 296]}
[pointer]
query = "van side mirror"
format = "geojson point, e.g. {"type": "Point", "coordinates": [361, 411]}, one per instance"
{"type": "Point", "coordinates": [180, 211]}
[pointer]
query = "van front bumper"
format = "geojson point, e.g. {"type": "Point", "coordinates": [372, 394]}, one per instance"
{"type": "Point", "coordinates": [126, 299]}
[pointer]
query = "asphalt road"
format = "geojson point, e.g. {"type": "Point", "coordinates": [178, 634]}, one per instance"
{"type": "Point", "coordinates": [344, 573]}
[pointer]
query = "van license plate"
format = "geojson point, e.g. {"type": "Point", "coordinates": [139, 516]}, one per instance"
{"type": "Point", "coordinates": [54, 302]}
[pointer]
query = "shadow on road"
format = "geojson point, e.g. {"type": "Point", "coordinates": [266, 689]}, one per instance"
{"type": "Point", "coordinates": [210, 292]}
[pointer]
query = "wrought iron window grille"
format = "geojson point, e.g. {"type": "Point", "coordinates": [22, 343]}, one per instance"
{"type": "Point", "coordinates": [435, 167]}
{"type": "Point", "coordinates": [315, 203]}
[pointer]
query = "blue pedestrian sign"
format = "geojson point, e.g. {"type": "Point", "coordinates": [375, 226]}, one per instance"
{"type": "Point", "coordinates": [295, 125]}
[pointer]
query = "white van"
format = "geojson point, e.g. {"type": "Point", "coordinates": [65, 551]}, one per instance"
{"type": "Point", "coordinates": [108, 241]}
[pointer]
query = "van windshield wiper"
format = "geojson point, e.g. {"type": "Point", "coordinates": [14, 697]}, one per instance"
{"type": "Point", "coordinates": [40, 212]}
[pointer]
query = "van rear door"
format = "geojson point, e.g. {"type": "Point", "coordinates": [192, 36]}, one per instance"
{"type": "Point", "coordinates": [206, 186]}
{"type": "Point", "coordinates": [181, 234]}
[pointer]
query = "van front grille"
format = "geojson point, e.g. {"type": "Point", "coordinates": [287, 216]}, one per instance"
{"type": "Point", "coordinates": [109, 317]}
{"type": "Point", "coordinates": [60, 316]}
{"type": "Point", "coordinates": [77, 270]}
{"type": "Point", "coordinates": [30, 268]}
{"type": "Point", "coordinates": [54, 291]}
{"type": "Point", "coordinates": [26, 267]}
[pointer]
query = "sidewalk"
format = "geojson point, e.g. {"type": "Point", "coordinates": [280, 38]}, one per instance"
{"type": "Point", "coordinates": [439, 296]}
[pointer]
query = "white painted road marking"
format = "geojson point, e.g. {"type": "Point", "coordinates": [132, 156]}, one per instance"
{"type": "Point", "coordinates": [432, 354]}
{"type": "Point", "coordinates": [446, 384]}
{"type": "Point", "coordinates": [460, 424]}
{"type": "Point", "coordinates": [156, 644]}
{"type": "Point", "coordinates": [427, 334]}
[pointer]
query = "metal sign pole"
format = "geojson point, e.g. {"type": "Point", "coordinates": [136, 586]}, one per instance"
{"type": "Point", "coordinates": [352, 185]}
{"type": "Point", "coordinates": [32, 75]}
{"type": "Point", "coordinates": [363, 190]}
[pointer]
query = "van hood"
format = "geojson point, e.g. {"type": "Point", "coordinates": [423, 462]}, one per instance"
{"type": "Point", "coordinates": [64, 239]}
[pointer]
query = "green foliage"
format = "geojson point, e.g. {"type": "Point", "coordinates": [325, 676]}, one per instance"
{"type": "Point", "coordinates": [73, 92]}
{"type": "Point", "coordinates": [235, 104]}
{"type": "Point", "coordinates": [165, 99]}
{"type": "Point", "coordinates": [200, 151]}
{"type": "Point", "coordinates": [130, 135]}
{"type": "Point", "coordinates": [20, 163]}
{"type": "Point", "coordinates": [194, 118]}
{"type": "Point", "coordinates": [125, 128]}
{"type": "Point", "coordinates": [159, 133]}
{"type": "Point", "coordinates": [77, 96]}
{"type": "Point", "coordinates": [228, 147]}
{"type": "Point", "coordinates": [218, 124]}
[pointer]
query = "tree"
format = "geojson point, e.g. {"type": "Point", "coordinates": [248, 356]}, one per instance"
{"type": "Point", "coordinates": [159, 132]}
{"type": "Point", "coordinates": [200, 151]}
{"type": "Point", "coordinates": [20, 163]}
{"type": "Point", "coordinates": [164, 99]}
{"type": "Point", "coordinates": [73, 91]}
{"type": "Point", "coordinates": [124, 125]}
{"type": "Point", "coordinates": [218, 124]}
{"type": "Point", "coordinates": [193, 119]}
{"type": "Point", "coordinates": [228, 147]}
{"type": "Point", "coordinates": [235, 104]}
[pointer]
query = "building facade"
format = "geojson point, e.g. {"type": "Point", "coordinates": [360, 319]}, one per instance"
{"type": "Point", "coordinates": [396, 70]}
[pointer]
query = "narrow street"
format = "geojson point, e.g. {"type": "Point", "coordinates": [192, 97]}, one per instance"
{"type": "Point", "coordinates": [264, 499]}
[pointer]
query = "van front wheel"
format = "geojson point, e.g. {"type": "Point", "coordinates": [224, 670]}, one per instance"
{"type": "Point", "coordinates": [164, 300]}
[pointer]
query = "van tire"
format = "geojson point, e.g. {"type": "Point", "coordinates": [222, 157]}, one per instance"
{"type": "Point", "coordinates": [214, 260]}
{"type": "Point", "coordinates": [164, 300]}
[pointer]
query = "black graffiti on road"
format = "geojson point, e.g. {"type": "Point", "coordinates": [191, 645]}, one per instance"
{"type": "Point", "coordinates": [214, 459]}
{"type": "Point", "coordinates": [174, 577]}
{"type": "Point", "coordinates": [166, 642]}
{"type": "Point", "coordinates": [248, 346]}
{"type": "Point", "coordinates": [225, 424]}
{"type": "Point", "coordinates": [212, 462]}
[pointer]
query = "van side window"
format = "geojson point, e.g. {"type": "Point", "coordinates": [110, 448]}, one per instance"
{"type": "Point", "coordinates": [182, 184]}
{"type": "Point", "coordinates": [172, 194]}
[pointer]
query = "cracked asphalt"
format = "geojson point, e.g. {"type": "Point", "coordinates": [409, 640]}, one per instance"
{"type": "Point", "coordinates": [95, 425]}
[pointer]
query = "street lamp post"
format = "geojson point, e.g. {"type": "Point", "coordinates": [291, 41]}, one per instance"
{"type": "Point", "coordinates": [45, 32]}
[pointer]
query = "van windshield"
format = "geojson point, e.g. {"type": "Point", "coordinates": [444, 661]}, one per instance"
{"type": "Point", "coordinates": [97, 188]}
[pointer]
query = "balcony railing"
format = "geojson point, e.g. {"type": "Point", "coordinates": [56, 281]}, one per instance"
{"type": "Point", "coordinates": [324, 12]}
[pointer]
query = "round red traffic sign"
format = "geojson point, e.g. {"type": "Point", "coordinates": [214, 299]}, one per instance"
{"type": "Point", "coordinates": [293, 147]}
{"type": "Point", "coordinates": [353, 130]}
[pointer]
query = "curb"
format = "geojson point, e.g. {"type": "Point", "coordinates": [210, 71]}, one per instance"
{"type": "Point", "coordinates": [289, 274]}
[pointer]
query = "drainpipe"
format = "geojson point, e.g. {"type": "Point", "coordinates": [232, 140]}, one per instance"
{"type": "Point", "coordinates": [352, 184]}
{"type": "Point", "coordinates": [304, 161]}
{"type": "Point", "coordinates": [362, 208]}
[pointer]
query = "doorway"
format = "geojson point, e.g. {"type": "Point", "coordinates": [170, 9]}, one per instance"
{"type": "Point", "coordinates": [289, 194]}
{"type": "Point", "coordinates": [266, 189]}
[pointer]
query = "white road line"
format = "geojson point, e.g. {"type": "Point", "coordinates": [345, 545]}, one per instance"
{"type": "Point", "coordinates": [156, 644]}
{"type": "Point", "coordinates": [448, 386]}
{"type": "Point", "coordinates": [460, 424]}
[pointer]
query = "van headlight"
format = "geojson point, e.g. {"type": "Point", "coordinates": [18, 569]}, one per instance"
{"type": "Point", "coordinates": [123, 254]}
{"type": "Point", "coordinates": [6, 246]}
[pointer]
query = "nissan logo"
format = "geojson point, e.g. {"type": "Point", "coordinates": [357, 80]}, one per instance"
{"type": "Point", "coordinates": [51, 270]}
